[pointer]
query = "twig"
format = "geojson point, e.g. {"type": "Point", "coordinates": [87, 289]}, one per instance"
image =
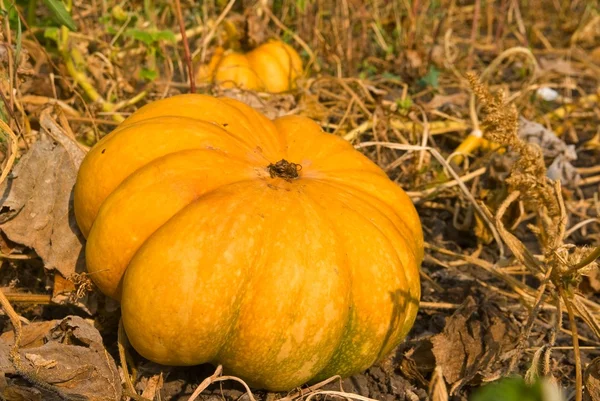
{"type": "Point", "coordinates": [211, 33]}
{"type": "Point", "coordinates": [121, 342]}
{"type": "Point", "coordinates": [576, 351]}
{"type": "Point", "coordinates": [37, 299]}
{"type": "Point", "coordinates": [186, 46]}
{"type": "Point", "coordinates": [12, 149]}
{"type": "Point", "coordinates": [449, 184]}
{"type": "Point", "coordinates": [590, 257]}
{"type": "Point", "coordinates": [294, 35]}
{"type": "Point", "coordinates": [69, 57]}
{"type": "Point", "coordinates": [16, 323]}
{"type": "Point", "coordinates": [474, 33]}
{"type": "Point", "coordinates": [454, 175]}
{"type": "Point", "coordinates": [435, 127]}
{"type": "Point", "coordinates": [216, 377]}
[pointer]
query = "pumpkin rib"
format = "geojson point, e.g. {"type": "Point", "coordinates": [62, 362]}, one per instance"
{"type": "Point", "coordinates": [301, 134]}
{"type": "Point", "coordinates": [405, 229]}
{"type": "Point", "coordinates": [218, 110]}
{"type": "Point", "coordinates": [398, 261]}
{"type": "Point", "coordinates": [235, 71]}
{"type": "Point", "coordinates": [181, 181]}
{"type": "Point", "coordinates": [269, 59]}
{"type": "Point", "coordinates": [103, 170]}
{"type": "Point", "coordinates": [275, 372]}
{"type": "Point", "coordinates": [198, 229]}
{"type": "Point", "coordinates": [276, 138]}
{"type": "Point", "coordinates": [413, 286]}
{"type": "Point", "coordinates": [357, 182]}
{"type": "Point", "coordinates": [177, 120]}
{"type": "Point", "coordinates": [418, 258]}
{"type": "Point", "coordinates": [232, 254]}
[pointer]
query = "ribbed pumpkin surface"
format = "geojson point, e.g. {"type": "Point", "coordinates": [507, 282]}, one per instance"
{"type": "Point", "coordinates": [196, 222]}
{"type": "Point", "coordinates": [272, 67]}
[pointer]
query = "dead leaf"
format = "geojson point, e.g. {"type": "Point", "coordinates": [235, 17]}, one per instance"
{"type": "Point", "coordinates": [255, 27]}
{"type": "Point", "coordinates": [37, 203]}
{"type": "Point", "coordinates": [595, 55]}
{"type": "Point", "coordinates": [553, 148]}
{"type": "Point", "coordinates": [40, 362]}
{"type": "Point", "coordinates": [551, 145]}
{"type": "Point", "coordinates": [558, 65]}
{"type": "Point", "coordinates": [594, 279]}
{"type": "Point", "coordinates": [152, 386]}
{"type": "Point", "coordinates": [437, 386]}
{"type": "Point", "coordinates": [271, 105]}
{"type": "Point", "coordinates": [33, 334]}
{"type": "Point", "coordinates": [472, 343]}
{"type": "Point", "coordinates": [73, 360]}
{"type": "Point", "coordinates": [410, 370]}
{"type": "Point", "coordinates": [591, 380]}
{"type": "Point", "coordinates": [414, 58]}
{"type": "Point", "coordinates": [459, 99]}
{"type": "Point", "coordinates": [62, 286]}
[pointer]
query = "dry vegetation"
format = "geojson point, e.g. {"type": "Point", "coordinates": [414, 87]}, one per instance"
{"type": "Point", "coordinates": [442, 94]}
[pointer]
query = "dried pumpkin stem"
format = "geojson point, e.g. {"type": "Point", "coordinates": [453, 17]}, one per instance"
{"type": "Point", "coordinates": [284, 169]}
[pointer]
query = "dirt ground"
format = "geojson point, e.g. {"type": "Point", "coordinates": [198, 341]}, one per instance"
{"type": "Point", "coordinates": [509, 282]}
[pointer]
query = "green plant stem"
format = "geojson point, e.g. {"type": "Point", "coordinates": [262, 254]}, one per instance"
{"type": "Point", "coordinates": [69, 56]}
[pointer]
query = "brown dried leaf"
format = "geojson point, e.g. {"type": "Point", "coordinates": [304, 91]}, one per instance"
{"type": "Point", "coordinates": [437, 386]}
{"type": "Point", "coordinates": [591, 380]}
{"type": "Point", "coordinates": [459, 99]}
{"type": "Point", "coordinates": [595, 55]}
{"type": "Point", "coordinates": [37, 203]}
{"type": "Point", "coordinates": [62, 286]}
{"type": "Point", "coordinates": [410, 370]}
{"type": "Point", "coordinates": [472, 342]}
{"type": "Point", "coordinates": [153, 385]}
{"type": "Point", "coordinates": [559, 65]}
{"type": "Point", "coordinates": [33, 334]}
{"type": "Point", "coordinates": [73, 360]}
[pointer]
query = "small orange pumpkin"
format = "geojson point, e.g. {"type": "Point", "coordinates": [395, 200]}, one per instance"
{"type": "Point", "coordinates": [270, 247]}
{"type": "Point", "coordinates": [273, 67]}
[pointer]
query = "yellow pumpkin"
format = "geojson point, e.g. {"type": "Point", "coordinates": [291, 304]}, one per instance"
{"type": "Point", "coordinates": [273, 67]}
{"type": "Point", "coordinates": [270, 247]}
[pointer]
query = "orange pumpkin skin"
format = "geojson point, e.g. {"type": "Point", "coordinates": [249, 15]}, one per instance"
{"type": "Point", "coordinates": [273, 67]}
{"type": "Point", "coordinates": [217, 256]}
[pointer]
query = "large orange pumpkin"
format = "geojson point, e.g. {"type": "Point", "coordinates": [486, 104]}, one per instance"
{"type": "Point", "coordinates": [270, 247]}
{"type": "Point", "coordinates": [272, 67]}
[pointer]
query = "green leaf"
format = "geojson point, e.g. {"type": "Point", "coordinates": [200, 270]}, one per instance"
{"type": "Point", "coordinates": [509, 389]}
{"type": "Point", "coordinates": [165, 35]}
{"type": "Point", "coordinates": [19, 42]}
{"type": "Point", "coordinates": [404, 104]}
{"type": "Point", "coordinates": [147, 74]}
{"type": "Point", "coordinates": [143, 36]}
{"type": "Point", "coordinates": [392, 77]}
{"type": "Point", "coordinates": [432, 77]}
{"type": "Point", "coordinates": [60, 14]}
{"type": "Point", "coordinates": [51, 33]}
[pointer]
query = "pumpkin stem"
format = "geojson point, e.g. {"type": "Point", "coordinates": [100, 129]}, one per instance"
{"type": "Point", "coordinates": [284, 169]}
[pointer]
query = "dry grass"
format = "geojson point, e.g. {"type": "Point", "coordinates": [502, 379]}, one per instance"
{"type": "Point", "coordinates": [430, 90]}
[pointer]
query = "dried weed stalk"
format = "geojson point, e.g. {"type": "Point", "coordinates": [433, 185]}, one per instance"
{"type": "Point", "coordinates": [563, 264]}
